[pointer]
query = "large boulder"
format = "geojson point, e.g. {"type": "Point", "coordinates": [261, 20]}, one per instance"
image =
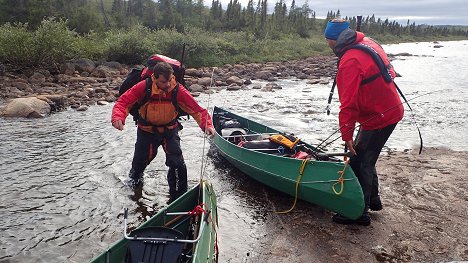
{"type": "Point", "coordinates": [104, 71]}
{"type": "Point", "coordinates": [31, 107]}
{"type": "Point", "coordinates": [263, 75]}
{"type": "Point", "coordinates": [204, 81]}
{"type": "Point", "coordinates": [84, 65]}
{"type": "Point", "coordinates": [235, 80]}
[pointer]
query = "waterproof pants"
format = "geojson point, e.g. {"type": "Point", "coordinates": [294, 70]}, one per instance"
{"type": "Point", "coordinates": [368, 145]}
{"type": "Point", "coordinates": [146, 149]}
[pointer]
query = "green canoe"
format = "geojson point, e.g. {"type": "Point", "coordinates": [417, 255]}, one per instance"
{"type": "Point", "coordinates": [320, 182]}
{"type": "Point", "coordinates": [184, 231]}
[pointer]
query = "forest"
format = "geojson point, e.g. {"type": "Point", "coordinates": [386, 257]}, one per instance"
{"type": "Point", "coordinates": [46, 32]}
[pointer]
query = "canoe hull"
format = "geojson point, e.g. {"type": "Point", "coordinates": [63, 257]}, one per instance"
{"type": "Point", "coordinates": [281, 173]}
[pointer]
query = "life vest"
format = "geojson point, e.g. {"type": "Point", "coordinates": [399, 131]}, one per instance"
{"type": "Point", "coordinates": [160, 110]}
{"type": "Point", "coordinates": [378, 55]}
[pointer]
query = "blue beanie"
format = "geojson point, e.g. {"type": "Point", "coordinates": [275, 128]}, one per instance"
{"type": "Point", "coordinates": [334, 29]}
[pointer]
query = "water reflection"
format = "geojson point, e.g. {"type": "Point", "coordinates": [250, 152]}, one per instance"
{"type": "Point", "coordinates": [62, 184]}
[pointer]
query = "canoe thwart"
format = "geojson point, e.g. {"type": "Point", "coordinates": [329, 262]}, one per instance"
{"type": "Point", "coordinates": [157, 237]}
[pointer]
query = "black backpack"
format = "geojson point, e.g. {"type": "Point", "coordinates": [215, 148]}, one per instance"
{"type": "Point", "coordinates": [135, 76]}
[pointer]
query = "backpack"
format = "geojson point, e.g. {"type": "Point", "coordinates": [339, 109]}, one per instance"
{"type": "Point", "coordinates": [138, 74]}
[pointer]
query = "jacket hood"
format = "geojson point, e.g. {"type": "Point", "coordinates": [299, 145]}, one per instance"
{"type": "Point", "coordinates": [347, 38]}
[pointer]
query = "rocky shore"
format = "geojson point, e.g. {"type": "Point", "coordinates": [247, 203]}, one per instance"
{"type": "Point", "coordinates": [82, 82]}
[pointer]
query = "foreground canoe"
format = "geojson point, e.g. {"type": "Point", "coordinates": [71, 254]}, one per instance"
{"type": "Point", "coordinates": [184, 231]}
{"type": "Point", "coordinates": [322, 182]}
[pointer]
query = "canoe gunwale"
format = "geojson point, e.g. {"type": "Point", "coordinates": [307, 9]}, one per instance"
{"type": "Point", "coordinates": [280, 176]}
{"type": "Point", "coordinates": [190, 241]}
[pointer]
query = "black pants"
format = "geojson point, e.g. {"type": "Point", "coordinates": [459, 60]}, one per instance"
{"type": "Point", "coordinates": [146, 149]}
{"type": "Point", "coordinates": [368, 145]}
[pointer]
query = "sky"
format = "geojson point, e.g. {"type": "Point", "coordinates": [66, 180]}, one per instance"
{"type": "Point", "coordinates": [432, 12]}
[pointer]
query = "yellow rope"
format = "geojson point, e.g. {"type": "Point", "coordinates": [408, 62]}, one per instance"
{"type": "Point", "coordinates": [301, 171]}
{"type": "Point", "coordinates": [340, 180]}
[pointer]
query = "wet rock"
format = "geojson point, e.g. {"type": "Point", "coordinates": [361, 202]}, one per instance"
{"type": "Point", "coordinates": [263, 75]}
{"type": "Point", "coordinates": [67, 68]}
{"type": "Point", "coordinates": [205, 81]}
{"type": "Point", "coordinates": [193, 72]}
{"type": "Point", "coordinates": [196, 88]}
{"type": "Point", "coordinates": [235, 80]}
{"type": "Point", "coordinates": [56, 102]}
{"type": "Point", "coordinates": [82, 108]}
{"type": "Point", "coordinates": [233, 87]}
{"type": "Point", "coordinates": [31, 107]}
{"type": "Point", "coordinates": [313, 81]}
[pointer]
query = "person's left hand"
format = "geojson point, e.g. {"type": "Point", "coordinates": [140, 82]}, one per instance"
{"type": "Point", "coordinates": [210, 131]}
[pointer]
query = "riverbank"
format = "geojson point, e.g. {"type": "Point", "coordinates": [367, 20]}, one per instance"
{"type": "Point", "coordinates": [83, 83]}
{"type": "Point", "coordinates": [424, 218]}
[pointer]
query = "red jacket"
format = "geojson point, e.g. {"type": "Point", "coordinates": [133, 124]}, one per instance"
{"type": "Point", "coordinates": [374, 105]}
{"type": "Point", "coordinates": [159, 109]}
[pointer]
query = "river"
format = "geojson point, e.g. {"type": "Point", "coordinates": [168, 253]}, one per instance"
{"type": "Point", "coordinates": [62, 192]}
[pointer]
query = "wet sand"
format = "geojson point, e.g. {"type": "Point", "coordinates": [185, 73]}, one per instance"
{"type": "Point", "coordinates": [424, 219]}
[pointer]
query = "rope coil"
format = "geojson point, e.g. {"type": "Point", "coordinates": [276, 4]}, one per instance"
{"type": "Point", "coordinates": [301, 171]}
{"type": "Point", "coordinates": [340, 179]}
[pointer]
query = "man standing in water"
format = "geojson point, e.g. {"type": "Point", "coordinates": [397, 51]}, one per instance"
{"type": "Point", "coordinates": [368, 96]}
{"type": "Point", "coordinates": [158, 125]}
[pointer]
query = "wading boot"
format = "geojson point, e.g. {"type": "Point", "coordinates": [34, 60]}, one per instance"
{"type": "Point", "coordinates": [134, 179]}
{"type": "Point", "coordinates": [177, 180]}
{"type": "Point", "coordinates": [364, 220]}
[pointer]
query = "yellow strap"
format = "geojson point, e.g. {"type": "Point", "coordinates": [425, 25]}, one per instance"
{"type": "Point", "coordinates": [340, 180]}
{"type": "Point", "coordinates": [301, 171]}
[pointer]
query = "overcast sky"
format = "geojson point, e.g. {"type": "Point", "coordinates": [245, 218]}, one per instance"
{"type": "Point", "coordinates": [433, 12]}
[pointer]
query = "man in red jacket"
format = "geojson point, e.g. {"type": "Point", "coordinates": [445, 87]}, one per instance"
{"type": "Point", "coordinates": [158, 125]}
{"type": "Point", "coordinates": [368, 96]}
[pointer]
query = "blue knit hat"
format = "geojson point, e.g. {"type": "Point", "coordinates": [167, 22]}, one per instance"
{"type": "Point", "coordinates": [334, 29]}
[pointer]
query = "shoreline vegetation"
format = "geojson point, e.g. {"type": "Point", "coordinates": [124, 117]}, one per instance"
{"type": "Point", "coordinates": [65, 65]}
{"type": "Point", "coordinates": [53, 43]}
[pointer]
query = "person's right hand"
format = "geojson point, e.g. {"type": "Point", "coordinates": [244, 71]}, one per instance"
{"type": "Point", "coordinates": [118, 124]}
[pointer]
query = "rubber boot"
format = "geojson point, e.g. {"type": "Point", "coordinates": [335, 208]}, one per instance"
{"type": "Point", "coordinates": [177, 180]}
{"type": "Point", "coordinates": [135, 179]}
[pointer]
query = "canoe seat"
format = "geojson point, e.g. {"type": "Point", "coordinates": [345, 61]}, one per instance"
{"type": "Point", "coordinates": [147, 251]}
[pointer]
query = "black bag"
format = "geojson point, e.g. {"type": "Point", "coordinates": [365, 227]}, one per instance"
{"type": "Point", "coordinates": [131, 80]}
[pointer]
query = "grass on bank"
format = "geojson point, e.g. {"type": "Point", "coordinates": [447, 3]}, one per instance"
{"type": "Point", "coordinates": [53, 43]}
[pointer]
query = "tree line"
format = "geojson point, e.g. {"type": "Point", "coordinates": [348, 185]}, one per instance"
{"type": "Point", "coordinates": [86, 16]}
